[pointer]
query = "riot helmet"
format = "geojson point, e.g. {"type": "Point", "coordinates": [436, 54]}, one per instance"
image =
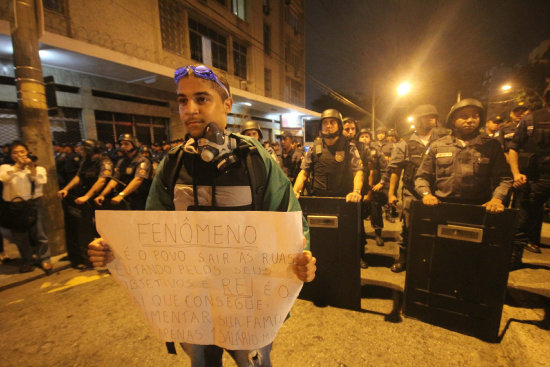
{"type": "Point", "coordinates": [130, 138]}
{"type": "Point", "coordinates": [334, 114]}
{"type": "Point", "coordinates": [467, 102]}
{"type": "Point", "coordinates": [252, 125]}
{"type": "Point", "coordinates": [424, 110]}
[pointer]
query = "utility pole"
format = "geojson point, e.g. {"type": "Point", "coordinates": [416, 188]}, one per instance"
{"type": "Point", "coordinates": [32, 110]}
{"type": "Point", "coordinates": [373, 106]}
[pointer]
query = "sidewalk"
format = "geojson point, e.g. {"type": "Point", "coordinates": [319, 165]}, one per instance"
{"type": "Point", "coordinates": [9, 271]}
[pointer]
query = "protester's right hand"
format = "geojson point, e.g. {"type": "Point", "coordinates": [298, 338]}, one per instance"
{"type": "Point", "coordinates": [62, 193]}
{"type": "Point", "coordinates": [99, 200]}
{"type": "Point", "coordinates": [519, 180]}
{"type": "Point", "coordinates": [430, 200]}
{"type": "Point", "coordinates": [99, 253]}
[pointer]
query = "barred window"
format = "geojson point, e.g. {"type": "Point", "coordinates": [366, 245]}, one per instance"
{"type": "Point", "coordinates": [293, 91]}
{"type": "Point", "coordinates": [207, 45]}
{"type": "Point", "coordinates": [267, 39]}
{"type": "Point", "coordinates": [147, 129]}
{"type": "Point", "coordinates": [239, 59]}
{"type": "Point", "coordinates": [267, 82]}
{"type": "Point", "coordinates": [172, 26]}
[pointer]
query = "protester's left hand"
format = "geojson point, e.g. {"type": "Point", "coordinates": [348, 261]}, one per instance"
{"type": "Point", "coordinates": [494, 206]}
{"type": "Point", "coordinates": [304, 265]}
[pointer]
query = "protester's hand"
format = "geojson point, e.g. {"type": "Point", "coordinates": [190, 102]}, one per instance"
{"type": "Point", "coordinates": [117, 199]}
{"type": "Point", "coordinates": [62, 193]}
{"type": "Point", "coordinates": [353, 197]}
{"type": "Point", "coordinates": [99, 200]}
{"type": "Point", "coordinates": [430, 200]}
{"type": "Point", "coordinates": [378, 187]}
{"type": "Point", "coordinates": [81, 200]}
{"type": "Point", "coordinates": [392, 199]}
{"type": "Point", "coordinates": [519, 180]}
{"type": "Point", "coordinates": [297, 193]}
{"type": "Point", "coordinates": [99, 253]}
{"type": "Point", "coordinates": [494, 206]}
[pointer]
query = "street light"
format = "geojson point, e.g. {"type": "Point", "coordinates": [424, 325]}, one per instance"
{"type": "Point", "coordinates": [506, 87]}
{"type": "Point", "coordinates": [410, 119]}
{"type": "Point", "coordinates": [404, 88]}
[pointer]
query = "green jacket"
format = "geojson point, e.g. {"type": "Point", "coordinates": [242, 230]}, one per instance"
{"type": "Point", "coordinates": [278, 195]}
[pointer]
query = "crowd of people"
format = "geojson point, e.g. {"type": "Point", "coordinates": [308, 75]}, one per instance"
{"type": "Point", "coordinates": [463, 158]}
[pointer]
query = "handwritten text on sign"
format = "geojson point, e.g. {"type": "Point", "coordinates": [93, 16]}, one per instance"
{"type": "Point", "coordinates": [222, 278]}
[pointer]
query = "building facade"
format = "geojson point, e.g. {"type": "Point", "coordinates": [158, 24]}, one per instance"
{"type": "Point", "coordinates": [110, 63]}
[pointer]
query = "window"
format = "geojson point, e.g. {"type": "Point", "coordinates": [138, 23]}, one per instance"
{"type": "Point", "coordinates": [267, 39]}
{"type": "Point", "coordinates": [171, 26]}
{"type": "Point", "coordinates": [207, 45]}
{"type": "Point", "coordinates": [293, 57]}
{"type": "Point", "coordinates": [57, 6]}
{"type": "Point", "coordinates": [222, 2]}
{"type": "Point", "coordinates": [147, 129]}
{"type": "Point", "coordinates": [293, 91]}
{"type": "Point", "coordinates": [267, 82]}
{"type": "Point", "coordinates": [266, 7]}
{"type": "Point", "coordinates": [239, 59]}
{"type": "Point", "coordinates": [292, 19]}
{"type": "Point", "coordinates": [239, 8]}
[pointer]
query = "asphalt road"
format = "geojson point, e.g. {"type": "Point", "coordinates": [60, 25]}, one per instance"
{"type": "Point", "coordinates": [83, 318]}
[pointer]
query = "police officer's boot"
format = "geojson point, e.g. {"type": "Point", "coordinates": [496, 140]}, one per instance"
{"type": "Point", "coordinates": [517, 254]}
{"type": "Point", "coordinates": [400, 263]}
{"type": "Point", "coordinates": [378, 237]}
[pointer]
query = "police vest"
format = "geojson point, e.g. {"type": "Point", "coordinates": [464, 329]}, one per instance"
{"type": "Point", "coordinates": [332, 174]}
{"type": "Point", "coordinates": [127, 171]}
{"type": "Point", "coordinates": [414, 157]}
{"type": "Point", "coordinates": [536, 157]}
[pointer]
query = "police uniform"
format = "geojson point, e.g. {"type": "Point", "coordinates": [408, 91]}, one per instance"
{"type": "Point", "coordinates": [71, 165]}
{"type": "Point", "coordinates": [373, 161]}
{"type": "Point", "coordinates": [332, 167]}
{"type": "Point", "coordinates": [290, 163]}
{"type": "Point", "coordinates": [532, 142]}
{"type": "Point", "coordinates": [79, 219]}
{"type": "Point", "coordinates": [129, 168]}
{"type": "Point", "coordinates": [406, 158]}
{"type": "Point", "coordinates": [464, 172]}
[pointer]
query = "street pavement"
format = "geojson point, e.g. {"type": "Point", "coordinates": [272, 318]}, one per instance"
{"type": "Point", "coordinates": [81, 318]}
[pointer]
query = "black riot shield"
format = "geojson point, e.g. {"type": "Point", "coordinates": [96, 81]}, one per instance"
{"type": "Point", "coordinates": [457, 267]}
{"type": "Point", "coordinates": [79, 230]}
{"type": "Point", "coordinates": [335, 242]}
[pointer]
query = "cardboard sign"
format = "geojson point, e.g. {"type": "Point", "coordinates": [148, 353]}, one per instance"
{"type": "Point", "coordinates": [222, 278]}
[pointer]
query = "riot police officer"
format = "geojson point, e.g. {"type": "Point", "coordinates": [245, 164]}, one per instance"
{"type": "Point", "coordinates": [374, 197]}
{"type": "Point", "coordinates": [95, 168]}
{"type": "Point", "coordinates": [351, 129]}
{"type": "Point", "coordinates": [493, 125]}
{"type": "Point", "coordinates": [290, 158]}
{"type": "Point", "coordinates": [252, 128]}
{"type": "Point", "coordinates": [405, 159]}
{"type": "Point", "coordinates": [332, 162]}
{"type": "Point", "coordinates": [133, 172]}
{"type": "Point", "coordinates": [531, 139]}
{"type": "Point", "coordinates": [465, 167]}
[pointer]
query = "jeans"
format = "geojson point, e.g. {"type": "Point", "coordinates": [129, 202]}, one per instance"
{"type": "Point", "coordinates": [211, 356]}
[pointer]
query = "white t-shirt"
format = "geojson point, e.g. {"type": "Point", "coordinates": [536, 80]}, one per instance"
{"type": "Point", "coordinates": [18, 184]}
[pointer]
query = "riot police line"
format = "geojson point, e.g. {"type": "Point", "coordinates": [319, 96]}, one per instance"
{"type": "Point", "coordinates": [453, 163]}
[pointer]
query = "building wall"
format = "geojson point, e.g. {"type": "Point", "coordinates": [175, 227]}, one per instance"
{"type": "Point", "coordinates": [133, 27]}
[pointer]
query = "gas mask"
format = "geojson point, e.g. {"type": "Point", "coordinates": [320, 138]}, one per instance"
{"type": "Point", "coordinates": [215, 146]}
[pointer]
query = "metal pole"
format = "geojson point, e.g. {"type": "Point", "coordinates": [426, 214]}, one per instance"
{"type": "Point", "coordinates": [32, 110]}
{"type": "Point", "coordinates": [373, 106]}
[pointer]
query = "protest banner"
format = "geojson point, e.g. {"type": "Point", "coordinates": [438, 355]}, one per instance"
{"type": "Point", "coordinates": [222, 278]}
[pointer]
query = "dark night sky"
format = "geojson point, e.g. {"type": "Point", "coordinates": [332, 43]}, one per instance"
{"type": "Point", "coordinates": [441, 46]}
